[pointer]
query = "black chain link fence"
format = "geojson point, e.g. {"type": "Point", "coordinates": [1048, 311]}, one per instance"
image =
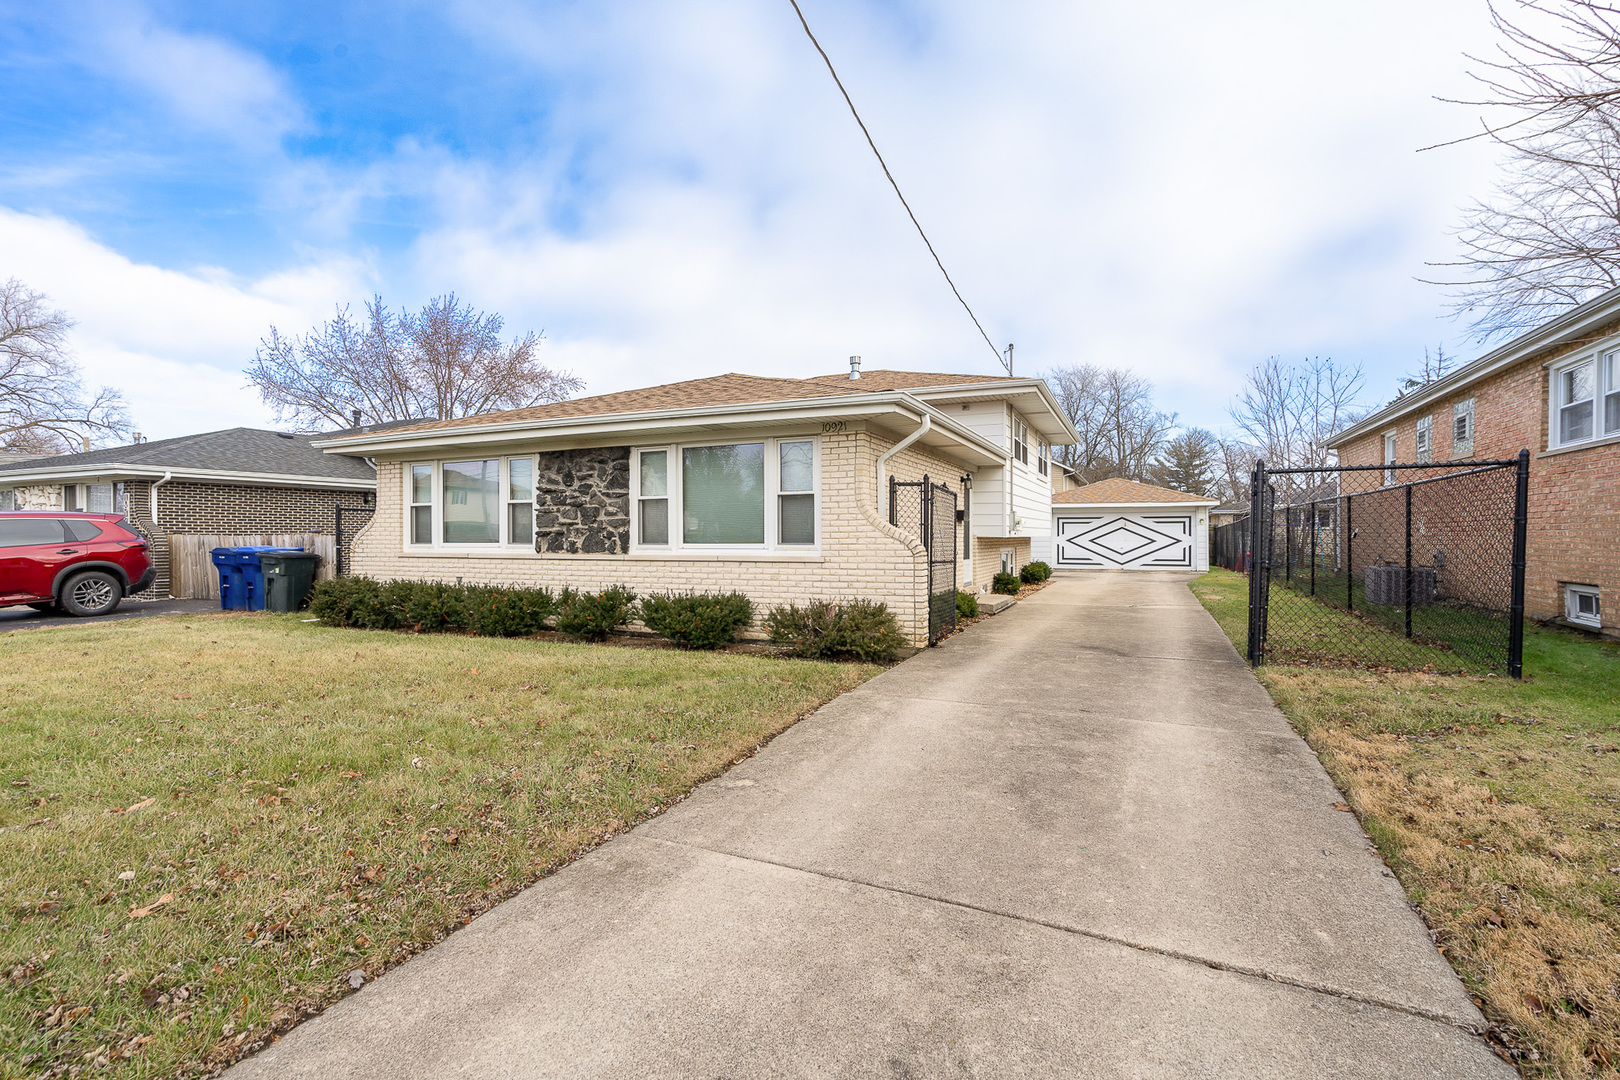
{"type": "Point", "coordinates": [927, 510]}
{"type": "Point", "coordinates": [1403, 566]}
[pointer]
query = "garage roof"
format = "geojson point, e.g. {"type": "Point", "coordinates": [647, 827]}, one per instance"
{"type": "Point", "coordinates": [1118, 491]}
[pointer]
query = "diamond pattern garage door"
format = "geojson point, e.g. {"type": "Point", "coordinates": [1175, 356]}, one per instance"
{"type": "Point", "coordinates": [1126, 541]}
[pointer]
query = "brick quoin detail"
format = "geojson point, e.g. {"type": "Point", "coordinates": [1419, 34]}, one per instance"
{"type": "Point", "coordinates": [1574, 527]}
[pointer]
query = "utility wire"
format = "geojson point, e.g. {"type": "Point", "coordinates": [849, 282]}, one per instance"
{"type": "Point", "coordinates": [892, 183]}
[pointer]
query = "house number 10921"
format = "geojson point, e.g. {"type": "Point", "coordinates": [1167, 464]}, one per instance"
{"type": "Point", "coordinates": [833, 427]}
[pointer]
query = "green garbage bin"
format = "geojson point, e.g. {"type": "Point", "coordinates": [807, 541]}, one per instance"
{"type": "Point", "coordinates": [289, 577]}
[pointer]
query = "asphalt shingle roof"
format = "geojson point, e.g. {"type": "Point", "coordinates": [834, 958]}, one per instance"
{"type": "Point", "coordinates": [246, 450]}
{"type": "Point", "coordinates": [1119, 490]}
{"type": "Point", "coordinates": [732, 389]}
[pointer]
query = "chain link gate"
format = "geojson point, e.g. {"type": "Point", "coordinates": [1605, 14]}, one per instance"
{"type": "Point", "coordinates": [927, 510]}
{"type": "Point", "coordinates": [1409, 566]}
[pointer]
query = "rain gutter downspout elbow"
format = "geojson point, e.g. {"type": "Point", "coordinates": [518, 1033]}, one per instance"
{"type": "Point", "coordinates": [152, 493]}
{"type": "Point", "coordinates": [883, 458]}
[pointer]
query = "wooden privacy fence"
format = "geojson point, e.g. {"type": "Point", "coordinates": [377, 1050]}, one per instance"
{"type": "Point", "coordinates": [193, 576]}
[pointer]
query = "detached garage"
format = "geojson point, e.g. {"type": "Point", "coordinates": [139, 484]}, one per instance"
{"type": "Point", "coordinates": [1125, 525]}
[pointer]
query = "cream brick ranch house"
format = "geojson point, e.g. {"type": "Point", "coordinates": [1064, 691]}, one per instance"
{"type": "Point", "coordinates": [777, 488]}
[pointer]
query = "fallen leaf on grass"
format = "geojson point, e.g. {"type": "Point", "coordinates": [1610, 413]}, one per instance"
{"type": "Point", "coordinates": [143, 912]}
{"type": "Point", "coordinates": [143, 804]}
{"type": "Point", "coordinates": [349, 774]}
{"type": "Point", "coordinates": [1343, 806]}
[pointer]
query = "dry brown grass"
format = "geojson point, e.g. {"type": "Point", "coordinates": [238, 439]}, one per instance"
{"type": "Point", "coordinates": [208, 823]}
{"type": "Point", "coordinates": [1497, 805]}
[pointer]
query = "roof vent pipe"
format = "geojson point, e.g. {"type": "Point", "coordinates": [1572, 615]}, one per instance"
{"type": "Point", "coordinates": [854, 368]}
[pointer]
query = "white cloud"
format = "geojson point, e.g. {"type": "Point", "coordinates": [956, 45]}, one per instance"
{"type": "Point", "coordinates": [207, 82]}
{"type": "Point", "coordinates": [173, 342]}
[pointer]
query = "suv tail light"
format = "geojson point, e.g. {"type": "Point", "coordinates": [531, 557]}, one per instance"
{"type": "Point", "coordinates": [133, 544]}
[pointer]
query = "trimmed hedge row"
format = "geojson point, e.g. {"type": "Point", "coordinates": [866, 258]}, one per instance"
{"type": "Point", "coordinates": [856, 629]}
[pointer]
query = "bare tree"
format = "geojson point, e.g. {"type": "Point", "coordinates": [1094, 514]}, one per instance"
{"type": "Point", "coordinates": [1435, 365]}
{"type": "Point", "coordinates": [1234, 465]}
{"type": "Point", "coordinates": [44, 407]}
{"type": "Point", "coordinates": [1189, 462]}
{"type": "Point", "coordinates": [1120, 431]}
{"type": "Point", "coordinates": [444, 362]}
{"type": "Point", "coordinates": [1287, 411]}
{"type": "Point", "coordinates": [1549, 238]}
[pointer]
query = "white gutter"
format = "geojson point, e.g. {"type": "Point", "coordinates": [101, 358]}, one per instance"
{"type": "Point", "coordinates": [152, 496]}
{"type": "Point", "coordinates": [80, 473]}
{"type": "Point", "coordinates": [883, 458]}
{"type": "Point", "coordinates": [627, 424]}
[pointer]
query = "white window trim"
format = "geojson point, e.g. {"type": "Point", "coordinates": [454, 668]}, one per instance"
{"type": "Point", "coordinates": [678, 548]}
{"type": "Point", "coordinates": [1572, 614]}
{"type": "Point", "coordinates": [1390, 456]}
{"type": "Point", "coordinates": [1600, 358]}
{"type": "Point", "coordinates": [436, 530]}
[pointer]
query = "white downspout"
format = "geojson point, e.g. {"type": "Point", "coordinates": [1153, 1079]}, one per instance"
{"type": "Point", "coordinates": [152, 494]}
{"type": "Point", "coordinates": [883, 458]}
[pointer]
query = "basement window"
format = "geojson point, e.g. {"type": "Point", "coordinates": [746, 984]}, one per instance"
{"type": "Point", "coordinates": [1581, 606]}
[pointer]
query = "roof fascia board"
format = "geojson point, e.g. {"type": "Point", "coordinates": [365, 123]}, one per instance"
{"type": "Point", "coordinates": [844, 406]}
{"type": "Point", "coordinates": [149, 472]}
{"type": "Point", "coordinates": [1574, 322]}
{"type": "Point", "coordinates": [1000, 389]}
{"type": "Point", "coordinates": [1127, 505]}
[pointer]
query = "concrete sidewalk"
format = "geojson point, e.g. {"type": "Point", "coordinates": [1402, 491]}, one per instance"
{"type": "Point", "coordinates": [1075, 841]}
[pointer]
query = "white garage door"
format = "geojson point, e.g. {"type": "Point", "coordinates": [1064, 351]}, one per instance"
{"type": "Point", "coordinates": [1125, 541]}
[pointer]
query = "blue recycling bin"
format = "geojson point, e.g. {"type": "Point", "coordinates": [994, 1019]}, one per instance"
{"type": "Point", "coordinates": [241, 579]}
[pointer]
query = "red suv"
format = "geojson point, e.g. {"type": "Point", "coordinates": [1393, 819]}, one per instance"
{"type": "Point", "coordinates": [83, 563]}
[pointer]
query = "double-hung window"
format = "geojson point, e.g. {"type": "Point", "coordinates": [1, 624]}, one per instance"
{"type": "Point", "coordinates": [1462, 429]}
{"type": "Point", "coordinates": [1020, 441]}
{"type": "Point", "coordinates": [482, 502]}
{"type": "Point", "coordinates": [1042, 452]}
{"type": "Point", "coordinates": [1586, 399]}
{"type": "Point", "coordinates": [1389, 457]}
{"type": "Point", "coordinates": [761, 494]}
{"type": "Point", "coordinates": [1425, 438]}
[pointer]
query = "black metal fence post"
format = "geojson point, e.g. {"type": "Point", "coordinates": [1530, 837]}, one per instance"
{"type": "Point", "coordinates": [1256, 594]}
{"type": "Point", "coordinates": [1288, 544]}
{"type": "Point", "coordinates": [1408, 560]}
{"type": "Point", "coordinates": [927, 516]}
{"type": "Point", "coordinates": [1521, 524]}
{"type": "Point", "coordinates": [1349, 558]}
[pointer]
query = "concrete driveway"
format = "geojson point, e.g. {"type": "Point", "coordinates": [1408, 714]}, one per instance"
{"type": "Point", "coordinates": [1075, 841]}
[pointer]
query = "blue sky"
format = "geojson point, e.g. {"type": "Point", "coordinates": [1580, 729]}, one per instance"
{"type": "Point", "coordinates": [674, 190]}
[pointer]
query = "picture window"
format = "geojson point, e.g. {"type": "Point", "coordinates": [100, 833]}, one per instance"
{"type": "Point", "coordinates": [760, 494]}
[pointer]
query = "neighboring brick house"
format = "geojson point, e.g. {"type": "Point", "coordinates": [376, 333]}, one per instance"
{"type": "Point", "coordinates": [777, 488]}
{"type": "Point", "coordinates": [1556, 392]}
{"type": "Point", "coordinates": [234, 483]}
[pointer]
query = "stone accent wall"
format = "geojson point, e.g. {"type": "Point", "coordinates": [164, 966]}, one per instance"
{"type": "Point", "coordinates": [1574, 498]}
{"type": "Point", "coordinates": [39, 497]}
{"type": "Point", "coordinates": [861, 555]}
{"type": "Point", "coordinates": [582, 501]}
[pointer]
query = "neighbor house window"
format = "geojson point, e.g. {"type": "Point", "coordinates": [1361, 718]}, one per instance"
{"type": "Point", "coordinates": [484, 501]}
{"type": "Point", "coordinates": [1425, 439]}
{"type": "Point", "coordinates": [1462, 429]}
{"type": "Point", "coordinates": [1389, 457]}
{"type": "Point", "coordinates": [653, 497]}
{"type": "Point", "coordinates": [1581, 606]}
{"type": "Point", "coordinates": [8, 499]}
{"type": "Point", "coordinates": [1586, 399]}
{"type": "Point", "coordinates": [421, 504]}
{"type": "Point", "coordinates": [88, 498]}
{"type": "Point", "coordinates": [760, 494]}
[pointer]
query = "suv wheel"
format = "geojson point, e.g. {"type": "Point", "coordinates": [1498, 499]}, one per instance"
{"type": "Point", "coordinates": [91, 593]}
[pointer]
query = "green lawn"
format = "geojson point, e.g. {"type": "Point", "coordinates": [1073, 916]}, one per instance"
{"type": "Point", "coordinates": [1497, 803]}
{"type": "Point", "coordinates": [208, 823]}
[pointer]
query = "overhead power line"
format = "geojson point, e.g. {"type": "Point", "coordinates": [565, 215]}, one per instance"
{"type": "Point", "coordinates": [1005, 362]}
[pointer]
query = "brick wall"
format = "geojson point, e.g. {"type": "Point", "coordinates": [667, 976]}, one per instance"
{"type": "Point", "coordinates": [861, 555]}
{"type": "Point", "coordinates": [987, 557]}
{"type": "Point", "coordinates": [1574, 494]}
